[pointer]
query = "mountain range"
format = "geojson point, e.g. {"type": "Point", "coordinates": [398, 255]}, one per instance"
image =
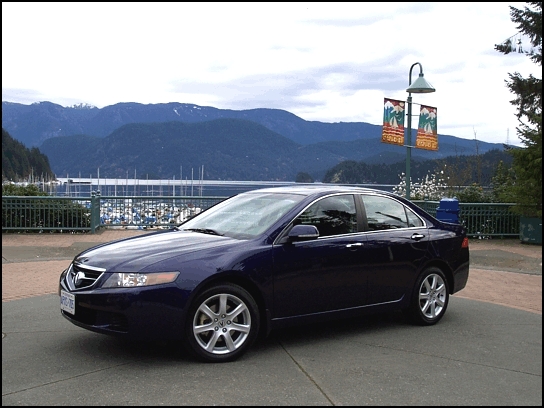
{"type": "Point", "coordinates": [159, 139]}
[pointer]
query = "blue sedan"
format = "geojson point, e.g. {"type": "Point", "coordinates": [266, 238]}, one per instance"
{"type": "Point", "coordinates": [267, 259]}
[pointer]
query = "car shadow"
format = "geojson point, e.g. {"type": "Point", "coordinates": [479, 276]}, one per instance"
{"type": "Point", "coordinates": [114, 350]}
{"type": "Point", "coordinates": [312, 333]}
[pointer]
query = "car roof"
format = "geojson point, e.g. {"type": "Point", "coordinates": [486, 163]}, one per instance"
{"type": "Point", "coordinates": [319, 189]}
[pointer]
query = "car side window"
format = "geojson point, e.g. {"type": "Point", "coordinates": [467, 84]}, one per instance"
{"type": "Point", "coordinates": [413, 219]}
{"type": "Point", "coordinates": [384, 213]}
{"type": "Point", "coordinates": [331, 215]}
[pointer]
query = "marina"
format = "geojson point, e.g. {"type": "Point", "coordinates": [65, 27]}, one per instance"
{"type": "Point", "coordinates": [83, 187]}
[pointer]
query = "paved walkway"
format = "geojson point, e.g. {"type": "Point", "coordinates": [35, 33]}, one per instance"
{"type": "Point", "coordinates": [38, 259]}
{"type": "Point", "coordinates": [505, 272]}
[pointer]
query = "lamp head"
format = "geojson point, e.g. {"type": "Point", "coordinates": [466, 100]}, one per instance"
{"type": "Point", "coordinates": [420, 86]}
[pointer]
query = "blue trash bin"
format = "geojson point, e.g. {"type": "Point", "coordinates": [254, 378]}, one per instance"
{"type": "Point", "coordinates": [448, 210]}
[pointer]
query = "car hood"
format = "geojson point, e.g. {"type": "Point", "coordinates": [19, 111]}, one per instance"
{"type": "Point", "coordinates": [136, 253]}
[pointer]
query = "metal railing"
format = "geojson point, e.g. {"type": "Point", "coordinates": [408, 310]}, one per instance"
{"type": "Point", "coordinates": [150, 212]}
{"type": "Point", "coordinates": [482, 220]}
{"type": "Point", "coordinates": [46, 214]}
{"type": "Point", "coordinates": [65, 214]}
{"type": "Point", "coordinates": [69, 214]}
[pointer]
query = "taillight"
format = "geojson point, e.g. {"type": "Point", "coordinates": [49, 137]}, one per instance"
{"type": "Point", "coordinates": [465, 243]}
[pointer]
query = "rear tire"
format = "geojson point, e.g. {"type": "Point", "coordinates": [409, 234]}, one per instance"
{"type": "Point", "coordinates": [430, 298]}
{"type": "Point", "coordinates": [222, 323]}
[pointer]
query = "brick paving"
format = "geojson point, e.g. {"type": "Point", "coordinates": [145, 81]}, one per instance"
{"type": "Point", "coordinates": [65, 240]}
{"type": "Point", "coordinates": [29, 275]}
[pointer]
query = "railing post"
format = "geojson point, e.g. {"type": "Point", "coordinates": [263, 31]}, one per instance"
{"type": "Point", "coordinates": [95, 210]}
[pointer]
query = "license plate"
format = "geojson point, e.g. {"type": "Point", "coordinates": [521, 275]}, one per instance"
{"type": "Point", "coordinates": [67, 302]}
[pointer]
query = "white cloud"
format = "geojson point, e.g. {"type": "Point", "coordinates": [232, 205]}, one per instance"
{"type": "Point", "coordinates": [328, 62]}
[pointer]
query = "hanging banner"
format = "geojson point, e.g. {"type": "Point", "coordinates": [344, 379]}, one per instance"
{"type": "Point", "coordinates": [426, 137]}
{"type": "Point", "coordinates": [393, 122]}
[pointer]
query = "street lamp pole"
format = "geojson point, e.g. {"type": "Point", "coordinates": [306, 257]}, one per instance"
{"type": "Point", "coordinates": [409, 141]}
{"type": "Point", "coordinates": [419, 86]}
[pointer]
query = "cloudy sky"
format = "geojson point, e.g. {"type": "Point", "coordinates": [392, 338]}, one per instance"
{"type": "Point", "coordinates": [327, 62]}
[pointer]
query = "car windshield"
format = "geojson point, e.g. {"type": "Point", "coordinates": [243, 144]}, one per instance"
{"type": "Point", "coordinates": [244, 216]}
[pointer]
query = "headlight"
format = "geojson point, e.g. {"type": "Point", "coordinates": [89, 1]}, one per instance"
{"type": "Point", "coordinates": [130, 280]}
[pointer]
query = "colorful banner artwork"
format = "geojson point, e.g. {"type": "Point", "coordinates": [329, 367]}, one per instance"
{"type": "Point", "coordinates": [393, 122]}
{"type": "Point", "coordinates": [427, 137]}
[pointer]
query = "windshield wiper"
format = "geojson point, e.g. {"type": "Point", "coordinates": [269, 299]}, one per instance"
{"type": "Point", "coordinates": [204, 231]}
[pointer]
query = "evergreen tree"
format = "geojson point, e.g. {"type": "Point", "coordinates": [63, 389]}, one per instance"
{"type": "Point", "coordinates": [527, 164]}
{"type": "Point", "coordinates": [303, 177]}
{"type": "Point", "coordinates": [502, 184]}
{"type": "Point", "coordinates": [19, 162]}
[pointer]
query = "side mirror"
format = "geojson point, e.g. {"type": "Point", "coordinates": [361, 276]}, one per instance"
{"type": "Point", "coordinates": [303, 233]}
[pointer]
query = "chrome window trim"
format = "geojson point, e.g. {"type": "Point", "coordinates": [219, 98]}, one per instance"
{"type": "Point", "coordinates": [281, 235]}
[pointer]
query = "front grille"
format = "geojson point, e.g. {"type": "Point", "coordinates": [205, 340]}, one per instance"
{"type": "Point", "coordinates": [84, 276]}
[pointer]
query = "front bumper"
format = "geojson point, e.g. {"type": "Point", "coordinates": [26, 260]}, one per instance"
{"type": "Point", "coordinates": [146, 313]}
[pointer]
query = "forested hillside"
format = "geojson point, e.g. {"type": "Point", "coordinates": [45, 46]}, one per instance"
{"type": "Point", "coordinates": [228, 149]}
{"type": "Point", "coordinates": [158, 140]}
{"type": "Point", "coordinates": [235, 149]}
{"type": "Point", "coordinates": [460, 170]}
{"type": "Point", "coordinates": [33, 124]}
{"type": "Point", "coordinates": [20, 163]}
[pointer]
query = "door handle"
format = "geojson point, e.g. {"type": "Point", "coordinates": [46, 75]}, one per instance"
{"type": "Point", "coordinates": [417, 237]}
{"type": "Point", "coordinates": [354, 246]}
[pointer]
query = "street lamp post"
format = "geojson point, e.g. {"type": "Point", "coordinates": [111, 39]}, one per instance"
{"type": "Point", "coordinates": [419, 86]}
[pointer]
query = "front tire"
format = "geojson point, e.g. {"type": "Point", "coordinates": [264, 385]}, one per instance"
{"type": "Point", "coordinates": [430, 298]}
{"type": "Point", "coordinates": [222, 324]}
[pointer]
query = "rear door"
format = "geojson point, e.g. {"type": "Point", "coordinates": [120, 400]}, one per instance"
{"type": "Point", "coordinates": [395, 248]}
